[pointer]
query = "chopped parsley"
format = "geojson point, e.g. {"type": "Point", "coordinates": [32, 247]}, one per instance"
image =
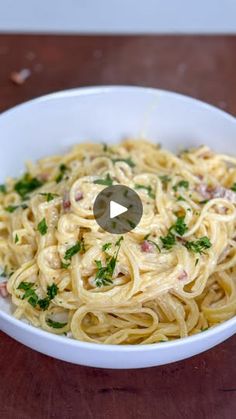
{"type": "Point", "coordinates": [16, 238]}
{"type": "Point", "coordinates": [205, 201]}
{"type": "Point", "coordinates": [3, 189]}
{"type": "Point", "coordinates": [179, 227]}
{"type": "Point", "coordinates": [165, 179]}
{"type": "Point", "coordinates": [233, 187]}
{"type": "Point", "coordinates": [104, 273]}
{"type": "Point", "coordinates": [52, 291]}
{"type": "Point", "coordinates": [128, 161]}
{"type": "Point", "coordinates": [198, 246]}
{"type": "Point", "coordinates": [108, 181]}
{"type": "Point", "coordinates": [62, 170]}
{"type": "Point", "coordinates": [42, 227]}
{"type": "Point", "coordinates": [33, 298]}
{"type": "Point", "coordinates": [181, 184]}
{"type": "Point", "coordinates": [49, 196]}
{"type": "Point", "coordinates": [106, 247]}
{"type": "Point", "coordinates": [27, 184]}
{"type": "Point", "coordinates": [12, 208]}
{"type": "Point", "coordinates": [65, 265]}
{"type": "Point", "coordinates": [168, 241]}
{"type": "Point", "coordinates": [181, 198]}
{"type": "Point", "coordinates": [147, 188]}
{"type": "Point", "coordinates": [78, 247]}
{"type": "Point", "coordinates": [196, 261]}
{"type": "Point", "coordinates": [55, 325]}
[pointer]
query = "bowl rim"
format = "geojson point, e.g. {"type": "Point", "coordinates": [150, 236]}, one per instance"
{"type": "Point", "coordinates": [178, 342]}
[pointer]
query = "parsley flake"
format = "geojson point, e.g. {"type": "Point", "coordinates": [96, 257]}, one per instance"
{"type": "Point", "coordinates": [79, 246]}
{"type": "Point", "coordinates": [12, 208]}
{"type": "Point", "coordinates": [168, 241]}
{"type": "Point", "coordinates": [27, 184]}
{"type": "Point", "coordinates": [179, 227]}
{"type": "Point", "coordinates": [62, 170]}
{"type": "Point", "coordinates": [128, 161]}
{"type": "Point", "coordinates": [181, 184]}
{"type": "Point", "coordinates": [147, 188]}
{"type": "Point", "coordinates": [49, 196]}
{"type": "Point", "coordinates": [104, 273]}
{"type": "Point", "coordinates": [198, 246]}
{"type": "Point", "coordinates": [233, 187]}
{"type": "Point", "coordinates": [3, 189]}
{"type": "Point", "coordinates": [42, 227]}
{"type": "Point", "coordinates": [55, 325]}
{"type": "Point", "coordinates": [108, 181]}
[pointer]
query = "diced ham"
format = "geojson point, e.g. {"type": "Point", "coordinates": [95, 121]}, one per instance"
{"type": "Point", "coordinates": [183, 276]}
{"type": "Point", "coordinates": [3, 289]}
{"type": "Point", "coordinates": [78, 196]}
{"type": "Point", "coordinates": [203, 190]}
{"type": "Point", "coordinates": [147, 247]}
{"type": "Point", "coordinates": [66, 201]}
{"type": "Point", "coordinates": [221, 192]}
{"type": "Point", "coordinates": [208, 192]}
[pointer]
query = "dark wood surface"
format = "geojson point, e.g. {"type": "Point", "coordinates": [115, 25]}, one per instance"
{"type": "Point", "coordinates": [35, 386]}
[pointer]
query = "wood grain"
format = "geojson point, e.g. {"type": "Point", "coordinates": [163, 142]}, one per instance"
{"type": "Point", "coordinates": [33, 385]}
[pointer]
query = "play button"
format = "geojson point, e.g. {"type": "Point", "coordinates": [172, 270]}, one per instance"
{"type": "Point", "coordinates": [118, 209]}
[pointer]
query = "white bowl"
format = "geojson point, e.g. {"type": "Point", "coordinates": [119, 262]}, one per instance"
{"type": "Point", "coordinates": [52, 123]}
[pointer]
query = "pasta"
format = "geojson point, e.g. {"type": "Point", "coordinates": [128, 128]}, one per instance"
{"type": "Point", "coordinates": [172, 276]}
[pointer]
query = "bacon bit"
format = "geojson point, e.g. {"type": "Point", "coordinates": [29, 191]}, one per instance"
{"type": "Point", "coordinates": [19, 77]}
{"type": "Point", "coordinates": [3, 289]}
{"type": "Point", "coordinates": [147, 247]}
{"type": "Point", "coordinates": [66, 202]}
{"type": "Point", "coordinates": [183, 276]}
{"type": "Point", "coordinates": [78, 196]}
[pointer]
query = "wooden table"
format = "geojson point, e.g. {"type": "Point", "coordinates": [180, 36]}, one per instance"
{"type": "Point", "coordinates": [35, 386]}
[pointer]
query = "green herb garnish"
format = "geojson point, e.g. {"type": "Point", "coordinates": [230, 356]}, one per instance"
{"type": "Point", "coordinates": [179, 227]}
{"type": "Point", "coordinates": [42, 227]}
{"type": "Point", "coordinates": [165, 179]}
{"type": "Point", "coordinates": [104, 273]}
{"type": "Point", "coordinates": [198, 246]}
{"type": "Point", "coordinates": [16, 238]}
{"type": "Point", "coordinates": [62, 170]}
{"type": "Point", "coordinates": [3, 189]}
{"type": "Point", "coordinates": [65, 265]}
{"type": "Point", "coordinates": [12, 208]}
{"type": "Point", "coordinates": [27, 184]}
{"type": "Point", "coordinates": [106, 247]}
{"type": "Point", "coordinates": [108, 181]}
{"type": "Point", "coordinates": [55, 325]}
{"type": "Point", "coordinates": [168, 241]}
{"type": "Point", "coordinates": [73, 250]}
{"type": "Point", "coordinates": [49, 196]}
{"type": "Point", "coordinates": [147, 188]}
{"type": "Point", "coordinates": [33, 298]}
{"type": "Point", "coordinates": [128, 161]}
{"type": "Point", "coordinates": [233, 187]}
{"type": "Point", "coordinates": [181, 184]}
{"type": "Point", "coordinates": [181, 198]}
